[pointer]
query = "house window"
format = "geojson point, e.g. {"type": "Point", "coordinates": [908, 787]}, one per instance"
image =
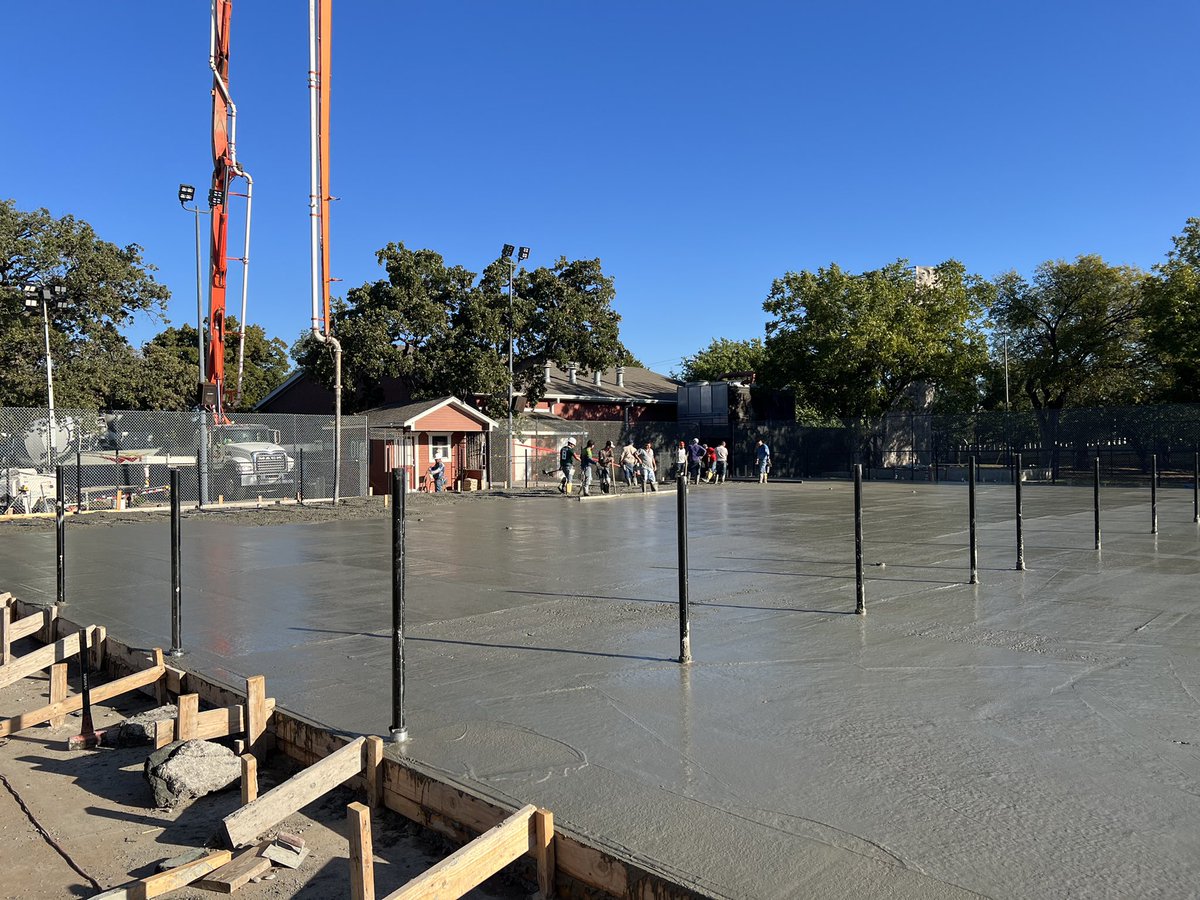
{"type": "Point", "coordinates": [439, 446]}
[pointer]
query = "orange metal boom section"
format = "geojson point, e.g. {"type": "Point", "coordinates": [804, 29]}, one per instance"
{"type": "Point", "coordinates": [222, 174]}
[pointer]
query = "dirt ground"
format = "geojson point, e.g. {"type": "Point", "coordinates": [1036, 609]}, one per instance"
{"type": "Point", "coordinates": [74, 823]}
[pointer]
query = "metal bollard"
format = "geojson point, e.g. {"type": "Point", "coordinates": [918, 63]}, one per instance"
{"type": "Point", "coordinates": [176, 592]}
{"type": "Point", "coordinates": [78, 482]}
{"type": "Point", "coordinates": [60, 533]}
{"type": "Point", "coordinates": [1196, 489]}
{"type": "Point", "coordinates": [860, 594]}
{"type": "Point", "coordinates": [1096, 497]}
{"type": "Point", "coordinates": [399, 727]}
{"type": "Point", "coordinates": [1154, 493]}
{"type": "Point", "coordinates": [685, 636]}
{"type": "Point", "coordinates": [971, 506]}
{"type": "Point", "coordinates": [1020, 511]}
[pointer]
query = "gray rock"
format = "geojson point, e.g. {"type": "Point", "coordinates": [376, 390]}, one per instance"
{"type": "Point", "coordinates": [137, 730]}
{"type": "Point", "coordinates": [185, 770]}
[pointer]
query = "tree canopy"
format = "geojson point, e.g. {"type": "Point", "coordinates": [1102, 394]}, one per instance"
{"type": "Point", "coordinates": [852, 346]}
{"type": "Point", "coordinates": [446, 330]}
{"type": "Point", "coordinates": [1172, 318]}
{"type": "Point", "coordinates": [723, 357]}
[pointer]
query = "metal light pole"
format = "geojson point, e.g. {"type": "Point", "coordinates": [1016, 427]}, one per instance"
{"type": "Point", "coordinates": [44, 296]}
{"type": "Point", "coordinates": [522, 254]}
{"type": "Point", "coordinates": [188, 192]}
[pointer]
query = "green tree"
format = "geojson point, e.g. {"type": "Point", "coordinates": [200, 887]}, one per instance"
{"type": "Point", "coordinates": [723, 357]}
{"type": "Point", "coordinates": [107, 285]}
{"type": "Point", "coordinates": [853, 346]}
{"type": "Point", "coordinates": [444, 332]}
{"type": "Point", "coordinates": [1172, 319]}
{"type": "Point", "coordinates": [265, 366]}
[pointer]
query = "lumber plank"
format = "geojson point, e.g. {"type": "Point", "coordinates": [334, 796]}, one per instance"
{"type": "Point", "coordinates": [211, 723]}
{"type": "Point", "coordinates": [74, 703]}
{"type": "Point", "coordinates": [6, 637]}
{"type": "Point", "coordinates": [362, 853]}
{"type": "Point", "coordinates": [249, 778]}
{"type": "Point", "coordinates": [256, 712]}
{"type": "Point", "coordinates": [48, 630]}
{"type": "Point", "coordinates": [31, 624]}
{"type": "Point", "coordinates": [180, 876]}
{"type": "Point", "coordinates": [189, 709]}
{"type": "Point", "coordinates": [58, 691]}
{"type": "Point", "coordinates": [372, 771]}
{"type": "Point", "coordinates": [470, 866]}
{"type": "Point", "coordinates": [543, 851]}
{"type": "Point", "coordinates": [37, 660]}
{"type": "Point", "coordinates": [237, 872]}
{"type": "Point", "coordinates": [97, 639]}
{"type": "Point", "coordinates": [244, 826]}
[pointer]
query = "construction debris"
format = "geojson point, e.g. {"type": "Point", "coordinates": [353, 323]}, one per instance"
{"type": "Point", "coordinates": [190, 769]}
{"type": "Point", "coordinates": [138, 730]}
{"type": "Point", "coordinates": [284, 855]}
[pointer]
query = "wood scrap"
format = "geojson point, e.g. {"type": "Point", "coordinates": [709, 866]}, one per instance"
{"type": "Point", "coordinates": [247, 865]}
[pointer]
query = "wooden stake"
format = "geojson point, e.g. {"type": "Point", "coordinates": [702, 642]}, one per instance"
{"type": "Point", "coordinates": [189, 709]}
{"type": "Point", "coordinates": [58, 691]}
{"type": "Point", "coordinates": [98, 636]}
{"type": "Point", "coordinates": [249, 778]}
{"type": "Point", "coordinates": [373, 770]}
{"type": "Point", "coordinates": [543, 821]}
{"type": "Point", "coordinates": [5, 634]}
{"type": "Point", "coordinates": [362, 860]}
{"type": "Point", "coordinates": [256, 712]}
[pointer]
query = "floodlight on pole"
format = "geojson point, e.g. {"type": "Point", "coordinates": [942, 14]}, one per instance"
{"type": "Point", "coordinates": [187, 193]}
{"type": "Point", "coordinates": [523, 254]}
{"type": "Point", "coordinates": [507, 252]}
{"type": "Point", "coordinates": [216, 197]}
{"type": "Point", "coordinates": [43, 296]}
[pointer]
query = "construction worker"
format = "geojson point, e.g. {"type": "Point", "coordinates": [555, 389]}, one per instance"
{"type": "Point", "coordinates": [566, 464]}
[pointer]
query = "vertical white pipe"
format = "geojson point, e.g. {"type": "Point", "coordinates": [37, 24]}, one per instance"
{"type": "Point", "coordinates": [245, 282]}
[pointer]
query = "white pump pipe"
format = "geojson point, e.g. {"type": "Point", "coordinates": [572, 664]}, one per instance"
{"type": "Point", "coordinates": [314, 200]}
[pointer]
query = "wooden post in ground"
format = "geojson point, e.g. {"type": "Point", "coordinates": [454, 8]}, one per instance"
{"type": "Point", "coordinates": [5, 637]}
{"type": "Point", "coordinates": [362, 859]}
{"type": "Point", "coordinates": [249, 778]}
{"type": "Point", "coordinates": [256, 713]}
{"type": "Point", "coordinates": [58, 691]}
{"type": "Point", "coordinates": [543, 821]}
{"type": "Point", "coordinates": [189, 709]}
{"type": "Point", "coordinates": [373, 770]}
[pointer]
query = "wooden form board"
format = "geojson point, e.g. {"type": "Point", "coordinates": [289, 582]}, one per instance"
{"type": "Point", "coordinates": [470, 866]}
{"type": "Point", "coordinates": [162, 882]}
{"type": "Point", "coordinates": [244, 826]}
{"type": "Point", "coordinates": [75, 703]}
{"type": "Point", "coordinates": [209, 724]}
{"type": "Point", "coordinates": [42, 658]}
{"type": "Point", "coordinates": [425, 797]}
{"type": "Point", "coordinates": [238, 872]}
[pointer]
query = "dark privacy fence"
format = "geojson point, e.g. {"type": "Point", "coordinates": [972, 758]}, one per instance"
{"type": "Point", "coordinates": [1055, 445]}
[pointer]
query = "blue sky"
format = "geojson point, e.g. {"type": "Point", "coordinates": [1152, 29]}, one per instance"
{"type": "Point", "coordinates": [699, 149]}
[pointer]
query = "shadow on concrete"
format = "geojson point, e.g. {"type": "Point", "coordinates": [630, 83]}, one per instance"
{"type": "Point", "coordinates": [832, 612]}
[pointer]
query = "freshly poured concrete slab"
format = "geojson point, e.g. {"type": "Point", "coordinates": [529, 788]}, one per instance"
{"type": "Point", "coordinates": [1034, 735]}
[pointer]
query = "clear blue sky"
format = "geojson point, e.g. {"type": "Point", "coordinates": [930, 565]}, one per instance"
{"type": "Point", "coordinates": [700, 149]}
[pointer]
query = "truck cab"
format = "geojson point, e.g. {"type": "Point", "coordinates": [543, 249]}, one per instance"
{"type": "Point", "coordinates": [249, 460]}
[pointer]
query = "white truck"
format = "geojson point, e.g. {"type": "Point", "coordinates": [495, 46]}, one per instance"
{"type": "Point", "coordinates": [247, 459]}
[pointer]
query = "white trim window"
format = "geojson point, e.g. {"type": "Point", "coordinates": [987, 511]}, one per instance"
{"type": "Point", "coordinates": [439, 447]}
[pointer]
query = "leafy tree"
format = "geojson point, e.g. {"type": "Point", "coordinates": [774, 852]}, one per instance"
{"type": "Point", "coordinates": [854, 346]}
{"type": "Point", "coordinates": [1172, 318]}
{"type": "Point", "coordinates": [265, 367]}
{"type": "Point", "coordinates": [107, 285]}
{"type": "Point", "coordinates": [444, 332]}
{"type": "Point", "coordinates": [722, 357]}
{"type": "Point", "coordinates": [1074, 332]}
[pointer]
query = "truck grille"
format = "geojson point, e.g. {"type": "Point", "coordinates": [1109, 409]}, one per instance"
{"type": "Point", "coordinates": [270, 463]}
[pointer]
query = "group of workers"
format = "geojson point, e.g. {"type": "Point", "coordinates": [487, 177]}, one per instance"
{"type": "Point", "coordinates": [699, 462]}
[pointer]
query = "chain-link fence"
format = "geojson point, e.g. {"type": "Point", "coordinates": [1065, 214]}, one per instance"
{"type": "Point", "coordinates": [123, 458]}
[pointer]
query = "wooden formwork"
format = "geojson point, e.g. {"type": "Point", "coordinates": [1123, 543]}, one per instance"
{"type": "Point", "coordinates": [457, 811]}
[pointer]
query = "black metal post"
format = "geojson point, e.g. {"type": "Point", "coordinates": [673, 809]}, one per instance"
{"type": "Point", "coordinates": [526, 470]}
{"type": "Point", "coordinates": [399, 490]}
{"type": "Point", "coordinates": [300, 475]}
{"type": "Point", "coordinates": [176, 592]}
{"type": "Point", "coordinates": [78, 481]}
{"type": "Point", "coordinates": [1196, 489]}
{"type": "Point", "coordinates": [860, 594]}
{"type": "Point", "coordinates": [971, 505]}
{"type": "Point", "coordinates": [1096, 497]}
{"type": "Point", "coordinates": [60, 531]}
{"type": "Point", "coordinates": [1020, 524]}
{"type": "Point", "coordinates": [86, 727]}
{"type": "Point", "coordinates": [685, 636]}
{"type": "Point", "coordinates": [1154, 493]}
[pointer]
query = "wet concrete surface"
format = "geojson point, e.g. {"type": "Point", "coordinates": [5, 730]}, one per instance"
{"type": "Point", "coordinates": [1031, 736]}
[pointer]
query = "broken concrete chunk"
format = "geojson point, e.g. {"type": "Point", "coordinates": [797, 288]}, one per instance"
{"type": "Point", "coordinates": [137, 730]}
{"type": "Point", "coordinates": [287, 839]}
{"type": "Point", "coordinates": [185, 770]}
{"type": "Point", "coordinates": [183, 859]}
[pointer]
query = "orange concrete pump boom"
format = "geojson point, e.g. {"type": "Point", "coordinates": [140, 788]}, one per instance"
{"type": "Point", "coordinates": [218, 269]}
